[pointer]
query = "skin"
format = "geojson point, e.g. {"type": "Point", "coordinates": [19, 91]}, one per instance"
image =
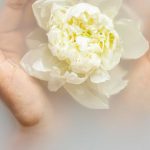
{"type": "Point", "coordinates": [137, 95]}
{"type": "Point", "coordinates": [24, 95]}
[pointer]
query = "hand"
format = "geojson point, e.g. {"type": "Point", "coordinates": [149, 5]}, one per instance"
{"type": "Point", "coordinates": [23, 95]}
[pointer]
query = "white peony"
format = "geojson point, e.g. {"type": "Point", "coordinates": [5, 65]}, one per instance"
{"type": "Point", "coordinates": [78, 46]}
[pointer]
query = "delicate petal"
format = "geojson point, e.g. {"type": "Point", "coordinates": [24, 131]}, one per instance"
{"type": "Point", "coordinates": [80, 8]}
{"type": "Point", "coordinates": [109, 7]}
{"type": "Point", "coordinates": [111, 59]}
{"type": "Point", "coordinates": [116, 83]}
{"type": "Point", "coordinates": [35, 58]}
{"type": "Point", "coordinates": [58, 15]}
{"type": "Point", "coordinates": [54, 36]}
{"type": "Point", "coordinates": [128, 13]}
{"type": "Point", "coordinates": [42, 11]}
{"type": "Point", "coordinates": [87, 97]}
{"type": "Point", "coordinates": [73, 78]}
{"type": "Point", "coordinates": [134, 43]}
{"type": "Point", "coordinates": [56, 81]}
{"type": "Point", "coordinates": [83, 42]}
{"type": "Point", "coordinates": [99, 76]}
{"type": "Point", "coordinates": [38, 62]}
{"type": "Point", "coordinates": [83, 65]}
{"type": "Point", "coordinates": [35, 38]}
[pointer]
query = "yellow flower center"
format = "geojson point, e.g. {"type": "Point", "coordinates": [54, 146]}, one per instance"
{"type": "Point", "coordinates": [82, 41]}
{"type": "Point", "coordinates": [89, 27]}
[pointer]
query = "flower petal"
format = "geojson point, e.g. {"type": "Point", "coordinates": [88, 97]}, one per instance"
{"type": "Point", "coordinates": [108, 7]}
{"type": "Point", "coordinates": [116, 83]}
{"type": "Point", "coordinates": [111, 59]}
{"type": "Point", "coordinates": [42, 11]}
{"type": "Point", "coordinates": [38, 62]}
{"type": "Point", "coordinates": [134, 43]}
{"type": "Point", "coordinates": [80, 8]}
{"type": "Point", "coordinates": [87, 97]}
{"type": "Point", "coordinates": [35, 63]}
{"type": "Point", "coordinates": [54, 36]}
{"type": "Point", "coordinates": [99, 76]}
{"type": "Point", "coordinates": [73, 78]}
{"type": "Point", "coordinates": [35, 38]}
{"type": "Point", "coordinates": [128, 13]}
{"type": "Point", "coordinates": [56, 81]}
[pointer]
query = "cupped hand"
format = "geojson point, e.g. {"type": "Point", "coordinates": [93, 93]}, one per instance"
{"type": "Point", "coordinates": [23, 95]}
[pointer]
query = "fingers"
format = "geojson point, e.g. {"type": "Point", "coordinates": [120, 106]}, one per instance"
{"type": "Point", "coordinates": [22, 94]}
{"type": "Point", "coordinates": [11, 14]}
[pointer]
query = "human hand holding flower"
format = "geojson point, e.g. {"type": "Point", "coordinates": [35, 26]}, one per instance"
{"type": "Point", "coordinates": [23, 94]}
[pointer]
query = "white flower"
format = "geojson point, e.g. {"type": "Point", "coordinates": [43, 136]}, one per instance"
{"type": "Point", "coordinates": [78, 46]}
